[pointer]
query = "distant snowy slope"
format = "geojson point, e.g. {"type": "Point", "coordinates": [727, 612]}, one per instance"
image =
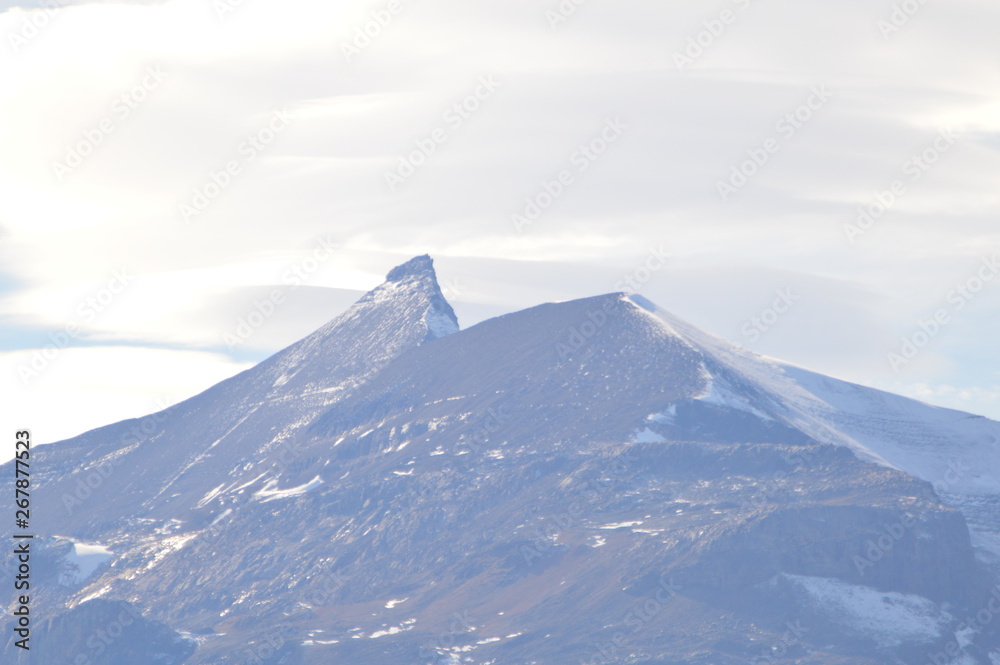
{"type": "Point", "coordinates": [958, 452]}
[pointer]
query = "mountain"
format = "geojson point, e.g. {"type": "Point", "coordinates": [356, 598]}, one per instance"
{"type": "Point", "coordinates": [245, 419]}
{"type": "Point", "coordinates": [590, 481]}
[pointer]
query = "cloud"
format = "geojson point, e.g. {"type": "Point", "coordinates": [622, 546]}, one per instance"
{"type": "Point", "coordinates": [222, 77]}
{"type": "Point", "coordinates": [82, 388]}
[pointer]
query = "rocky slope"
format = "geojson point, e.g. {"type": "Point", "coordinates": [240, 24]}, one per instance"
{"type": "Point", "coordinates": [590, 481]}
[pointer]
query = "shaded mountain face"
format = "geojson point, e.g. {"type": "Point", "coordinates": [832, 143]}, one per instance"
{"type": "Point", "coordinates": [102, 631]}
{"type": "Point", "coordinates": [591, 481]}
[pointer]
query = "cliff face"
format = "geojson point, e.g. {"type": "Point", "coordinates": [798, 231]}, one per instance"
{"type": "Point", "coordinates": [924, 552]}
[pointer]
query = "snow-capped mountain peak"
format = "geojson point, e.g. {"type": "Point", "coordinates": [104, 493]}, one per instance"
{"type": "Point", "coordinates": [419, 267]}
{"type": "Point", "coordinates": [541, 472]}
{"type": "Point", "coordinates": [417, 278]}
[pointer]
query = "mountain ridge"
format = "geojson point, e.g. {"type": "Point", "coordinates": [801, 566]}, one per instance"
{"type": "Point", "coordinates": [542, 472]}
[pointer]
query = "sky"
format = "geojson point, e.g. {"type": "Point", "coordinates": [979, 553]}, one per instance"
{"type": "Point", "coordinates": [187, 186]}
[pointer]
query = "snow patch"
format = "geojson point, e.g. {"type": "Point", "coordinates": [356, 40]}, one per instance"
{"type": "Point", "coordinates": [647, 436]}
{"type": "Point", "coordinates": [81, 562]}
{"type": "Point", "coordinates": [246, 485]}
{"type": "Point", "coordinates": [167, 547]}
{"type": "Point", "coordinates": [890, 619]}
{"type": "Point", "coordinates": [225, 513]}
{"type": "Point", "coordinates": [719, 394]}
{"type": "Point", "coordinates": [97, 594]}
{"type": "Point", "coordinates": [439, 324]}
{"type": "Point", "coordinates": [667, 417]}
{"type": "Point", "coordinates": [269, 494]}
{"type": "Point", "coordinates": [211, 495]}
{"type": "Point", "coordinates": [391, 630]}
